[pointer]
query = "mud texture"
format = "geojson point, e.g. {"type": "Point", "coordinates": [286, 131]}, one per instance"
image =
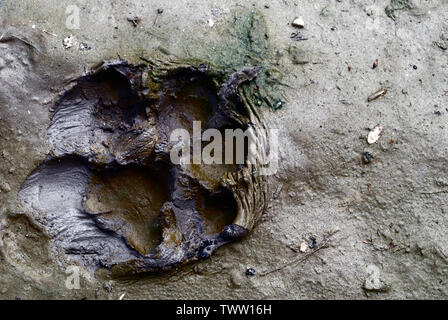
{"type": "Point", "coordinates": [344, 219]}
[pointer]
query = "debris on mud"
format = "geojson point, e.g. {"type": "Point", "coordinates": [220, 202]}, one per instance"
{"type": "Point", "coordinates": [376, 95]}
{"type": "Point", "coordinates": [374, 281]}
{"type": "Point", "coordinates": [135, 21]}
{"type": "Point", "coordinates": [313, 242]}
{"type": "Point", "coordinates": [250, 272]}
{"type": "Point", "coordinates": [297, 36]}
{"type": "Point", "coordinates": [69, 42]}
{"type": "Point", "coordinates": [4, 186]}
{"type": "Point", "coordinates": [108, 286]}
{"type": "Point", "coordinates": [84, 47]}
{"type": "Point", "coordinates": [442, 43]}
{"type": "Point", "coordinates": [324, 244]}
{"type": "Point", "coordinates": [121, 297]}
{"type": "Point", "coordinates": [374, 134]}
{"type": "Point", "coordinates": [298, 23]}
{"type": "Point", "coordinates": [367, 157]}
{"type": "Point", "coordinates": [277, 191]}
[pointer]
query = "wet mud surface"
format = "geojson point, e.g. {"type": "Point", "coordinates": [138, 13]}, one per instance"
{"type": "Point", "coordinates": [343, 218]}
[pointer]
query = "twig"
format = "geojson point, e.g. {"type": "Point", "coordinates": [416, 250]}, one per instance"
{"type": "Point", "coordinates": [434, 192]}
{"type": "Point", "coordinates": [48, 32]}
{"type": "Point", "coordinates": [300, 259]}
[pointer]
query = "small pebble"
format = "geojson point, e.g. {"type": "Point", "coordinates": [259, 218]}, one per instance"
{"type": "Point", "coordinates": [367, 157]}
{"type": "Point", "coordinates": [298, 22]}
{"type": "Point", "coordinates": [314, 241]}
{"type": "Point", "coordinates": [236, 278]}
{"type": "Point", "coordinates": [84, 47]}
{"type": "Point", "coordinates": [250, 272]}
{"type": "Point", "coordinates": [303, 247]}
{"type": "Point", "coordinates": [69, 42]}
{"type": "Point", "coordinates": [375, 134]}
{"type": "Point", "coordinates": [5, 187]}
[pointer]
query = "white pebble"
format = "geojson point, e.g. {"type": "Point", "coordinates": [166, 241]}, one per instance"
{"type": "Point", "coordinates": [375, 134]}
{"type": "Point", "coordinates": [298, 22]}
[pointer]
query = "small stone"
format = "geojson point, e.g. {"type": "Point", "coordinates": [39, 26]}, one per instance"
{"type": "Point", "coordinates": [375, 134]}
{"type": "Point", "coordinates": [69, 42]}
{"type": "Point", "coordinates": [135, 21]}
{"type": "Point", "coordinates": [250, 272]}
{"type": "Point", "coordinates": [374, 282]}
{"type": "Point", "coordinates": [292, 194]}
{"type": "Point", "coordinates": [108, 286]}
{"type": "Point", "coordinates": [277, 191]}
{"type": "Point", "coordinates": [84, 47]}
{"type": "Point", "coordinates": [303, 247]}
{"type": "Point", "coordinates": [313, 241]}
{"type": "Point", "coordinates": [298, 36]}
{"type": "Point", "coordinates": [4, 186]}
{"type": "Point", "coordinates": [379, 93]}
{"type": "Point", "coordinates": [298, 22]}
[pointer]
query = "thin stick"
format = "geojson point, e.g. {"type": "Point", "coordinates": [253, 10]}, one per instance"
{"type": "Point", "coordinates": [300, 259]}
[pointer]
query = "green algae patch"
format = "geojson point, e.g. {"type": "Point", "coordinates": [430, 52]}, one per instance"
{"type": "Point", "coordinates": [242, 40]}
{"type": "Point", "coordinates": [245, 41]}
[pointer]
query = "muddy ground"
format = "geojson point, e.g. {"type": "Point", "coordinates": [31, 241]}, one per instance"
{"type": "Point", "coordinates": [373, 217]}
